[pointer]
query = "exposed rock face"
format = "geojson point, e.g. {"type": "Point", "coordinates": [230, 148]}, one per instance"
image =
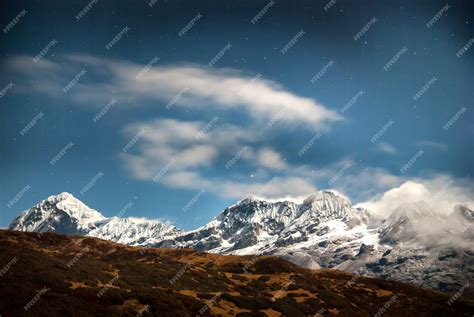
{"type": "Point", "coordinates": [414, 244]}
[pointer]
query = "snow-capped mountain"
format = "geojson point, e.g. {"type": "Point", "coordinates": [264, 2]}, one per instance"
{"type": "Point", "coordinates": [66, 214]}
{"type": "Point", "coordinates": [255, 226]}
{"type": "Point", "coordinates": [62, 213]}
{"type": "Point", "coordinates": [414, 244]}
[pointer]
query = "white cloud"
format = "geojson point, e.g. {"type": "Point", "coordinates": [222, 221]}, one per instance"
{"type": "Point", "coordinates": [187, 84]}
{"type": "Point", "coordinates": [432, 144]}
{"type": "Point", "coordinates": [386, 148]}
{"type": "Point", "coordinates": [168, 152]}
{"type": "Point", "coordinates": [442, 192]}
{"type": "Point", "coordinates": [271, 159]}
{"type": "Point", "coordinates": [178, 153]}
{"type": "Point", "coordinates": [361, 182]}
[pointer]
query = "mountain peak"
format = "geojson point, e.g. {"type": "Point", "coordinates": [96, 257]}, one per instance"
{"type": "Point", "coordinates": [62, 213]}
{"type": "Point", "coordinates": [324, 195]}
{"type": "Point", "coordinates": [249, 199]}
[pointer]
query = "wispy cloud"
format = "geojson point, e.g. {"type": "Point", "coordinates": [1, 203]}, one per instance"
{"type": "Point", "coordinates": [169, 153]}
{"type": "Point", "coordinates": [226, 159]}
{"type": "Point", "coordinates": [205, 87]}
{"type": "Point", "coordinates": [386, 148]}
{"type": "Point", "coordinates": [432, 144]}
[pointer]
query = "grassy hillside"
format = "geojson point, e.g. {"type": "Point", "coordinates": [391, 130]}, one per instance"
{"type": "Point", "coordinates": [56, 275]}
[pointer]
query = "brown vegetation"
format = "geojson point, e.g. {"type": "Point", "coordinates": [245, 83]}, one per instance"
{"type": "Point", "coordinates": [180, 282]}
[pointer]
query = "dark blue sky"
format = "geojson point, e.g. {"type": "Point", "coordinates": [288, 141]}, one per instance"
{"type": "Point", "coordinates": [239, 125]}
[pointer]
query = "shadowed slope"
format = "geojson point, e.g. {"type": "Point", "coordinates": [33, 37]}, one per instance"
{"type": "Point", "coordinates": [56, 275]}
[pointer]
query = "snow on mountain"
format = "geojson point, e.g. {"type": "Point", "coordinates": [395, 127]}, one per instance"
{"type": "Point", "coordinates": [66, 214]}
{"type": "Point", "coordinates": [323, 223]}
{"type": "Point", "coordinates": [133, 231]}
{"type": "Point", "coordinates": [414, 244]}
{"type": "Point", "coordinates": [62, 213]}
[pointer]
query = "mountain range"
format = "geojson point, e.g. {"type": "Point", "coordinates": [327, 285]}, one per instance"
{"type": "Point", "coordinates": [414, 244]}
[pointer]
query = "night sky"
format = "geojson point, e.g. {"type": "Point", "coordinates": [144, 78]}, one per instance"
{"type": "Point", "coordinates": [185, 107]}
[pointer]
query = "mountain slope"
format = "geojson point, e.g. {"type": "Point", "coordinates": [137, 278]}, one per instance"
{"type": "Point", "coordinates": [61, 213]}
{"type": "Point", "coordinates": [413, 245]}
{"type": "Point", "coordinates": [56, 275]}
{"type": "Point", "coordinates": [66, 214]}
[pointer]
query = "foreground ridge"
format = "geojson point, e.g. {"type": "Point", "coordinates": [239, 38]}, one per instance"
{"type": "Point", "coordinates": [57, 275]}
